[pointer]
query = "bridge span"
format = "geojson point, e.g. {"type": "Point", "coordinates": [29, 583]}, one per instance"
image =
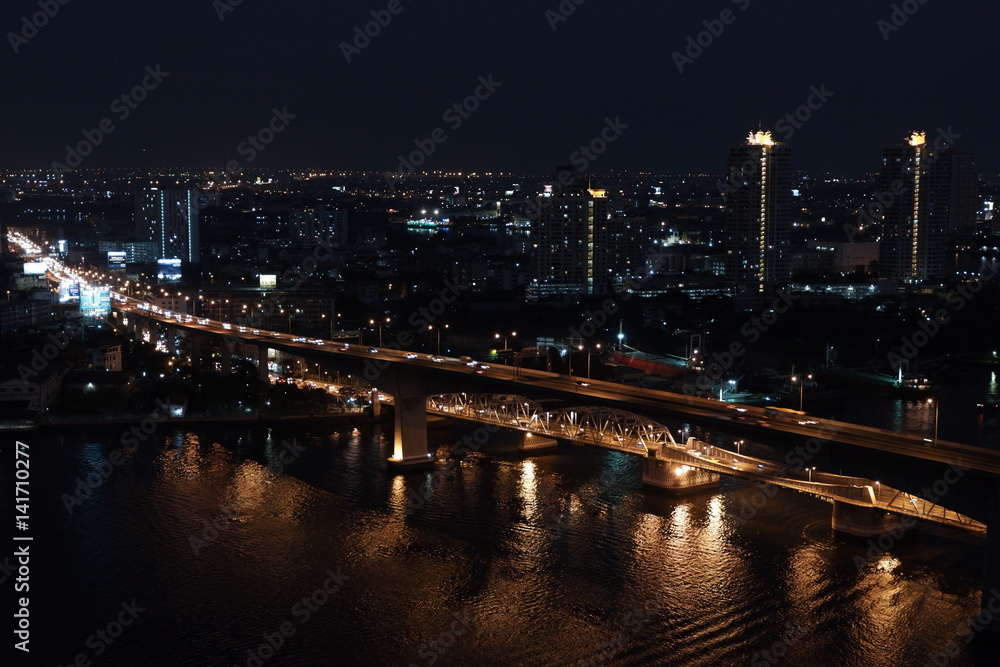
{"type": "Point", "coordinates": [695, 464]}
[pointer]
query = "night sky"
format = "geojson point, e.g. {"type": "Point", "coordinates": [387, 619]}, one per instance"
{"type": "Point", "coordinates": [608, 59]}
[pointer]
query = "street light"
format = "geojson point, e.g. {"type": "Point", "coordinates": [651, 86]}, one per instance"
{"type": "Point", "coordinates": [802, 388]}
{"type": "Point", "coordinates": [811, 472]}
{"type": "Point", "coordinates": [438, 336]}
{"type": "Point", "coordinates": [379, 323]}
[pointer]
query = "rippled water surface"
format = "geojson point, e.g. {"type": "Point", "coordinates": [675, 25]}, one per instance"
{"type": "Point", "coordinates": [492, 558]}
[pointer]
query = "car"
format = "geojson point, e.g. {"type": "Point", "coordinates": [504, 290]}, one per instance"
{"type": "Point", "coordinates": [275, 334]}
{"type": "Point", "coordinates": [243, 329]}
{"type": "Point", "coordinates": [255, 332]}
{"type": "Point", "coordinates": [411, 355]}
{"type": "Point", "coordinates": [480, 371]}
{"type": "Point", "coordinates": [583, 384]}
{"type": "Point", "coordinates": [345, 346]}
{"type": "Point", "coordinates": [227, 326]}
{"type": "Point", "coordinates": [484, 366]}
{"type": "Point", "coordinates": [373, 350]}
{"type": "Point", "coordinates": [203, 321]}
{"type": "Point", "coordinates": [299, 339]}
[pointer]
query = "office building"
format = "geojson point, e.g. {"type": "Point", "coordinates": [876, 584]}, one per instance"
{"type": "Point", "coordinates": [928, 194]}
{"type": "Point", "coordinates": [578, 247]}
{"type": "Point", "coordinates": [168, 217]}
{"type": "Point", "coordinates": [757, 196]}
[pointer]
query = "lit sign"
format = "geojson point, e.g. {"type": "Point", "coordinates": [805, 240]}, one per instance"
{"type": "Point", "coordinates": [116, 260]}
{"type": "Point", "coordinates": [169, 270]}
{"type": "Point", "coordinates": [95, 301]}
{"type": "Point", "coordinates": [69, 292]}
{"type": "Point", "coordinates": [35, 268]}
{"type": "Point", "coordinates": [268, 281]}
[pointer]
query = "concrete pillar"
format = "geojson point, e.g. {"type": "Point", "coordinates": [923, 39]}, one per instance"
{"type": "Point", "coordinates": [860, 521]}
{"type": "Point", "coordinates": [262, 374]}
{"type": "Point", "coordinates": [172, 341]}
{"type": "Point", "coordinates": [196, 350]}
{"type": "Point", "coordinates": [410, 437]}
{"type": "Point", "coordinates": [376, 404]}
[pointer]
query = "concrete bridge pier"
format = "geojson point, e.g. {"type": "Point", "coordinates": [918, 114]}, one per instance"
{"type": "Point", "coordinates": [196, 350]}
{"type": "Point", "coordinates": [859, 521]}
{"type": "Point", "coordinates": [262, 373]}
{"type": "Point", "coordinates": [670, 475]}
{"type": "Point", "coordinates": [376, 404]}
{"type": "Point", "coordinates": [410, 435]}
{"type": "Point", "coordinates": [409, 391]}
{"type": "Point", "coordinates": [172, 341]}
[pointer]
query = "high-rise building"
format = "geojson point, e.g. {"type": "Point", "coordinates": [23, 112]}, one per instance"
{"type": "Point", "coordinates": [928, 194]}
{"type": "Point", "coordinates": [309, 225]}
{"type": "Point", "coordinates": [577, 246]}
{"type": "Point", "coordinates": [168, 217]}
{"type": "Point", "coordinates": [758, 213]}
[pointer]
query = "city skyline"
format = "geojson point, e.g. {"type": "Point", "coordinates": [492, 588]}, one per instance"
{"type": "Point", "coordinates": [431, 79]}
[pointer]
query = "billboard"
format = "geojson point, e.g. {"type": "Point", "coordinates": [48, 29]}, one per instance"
{"type": "Point", "coordinates": [168, 270]}
{"type": "Point", "coordinates": [95, 301]}
{"type": "Point", "coordinates": [69, 292]}
{"type": "Point", "coordinates": [35, 268]}
{"type": "Point", "coordinates": [116, 260]}
{"type": "Point", "coordinates": [268, 281]}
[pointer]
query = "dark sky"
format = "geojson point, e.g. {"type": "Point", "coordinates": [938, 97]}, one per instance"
{"type": "Point", "coordinates": [610, 58]}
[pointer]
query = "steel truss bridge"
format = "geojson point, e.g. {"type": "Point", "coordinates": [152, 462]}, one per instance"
{"type": "Point", "coordinates": [625, 431]}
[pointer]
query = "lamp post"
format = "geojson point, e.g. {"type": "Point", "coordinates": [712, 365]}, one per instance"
{"type": "Point", "coordinates": [811, 473]}
{"type": "Point", "coordinates": [506, 345]}
{"type": "Point", "coordinates": [588, 361]}
{"type": "Point", "coordinates": [802, 388]}
{"type": "Point", "coordinates": [438, 336]}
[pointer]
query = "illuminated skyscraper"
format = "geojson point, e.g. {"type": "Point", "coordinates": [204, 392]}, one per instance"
{"type": "Point", "coordinates": [169, 218]}
{"type": "Point", "coordinates": [577, 246]}
{"type": "Point", "coordinates": [929, 198]}
{"type": "Point", "coordinates": [757, 194]}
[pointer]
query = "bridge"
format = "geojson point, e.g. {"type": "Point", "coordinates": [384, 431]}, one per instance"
{"type": "Point", "coordinates": [420, 384]}
{"type": "Point", "coordinates": [695, 464]}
